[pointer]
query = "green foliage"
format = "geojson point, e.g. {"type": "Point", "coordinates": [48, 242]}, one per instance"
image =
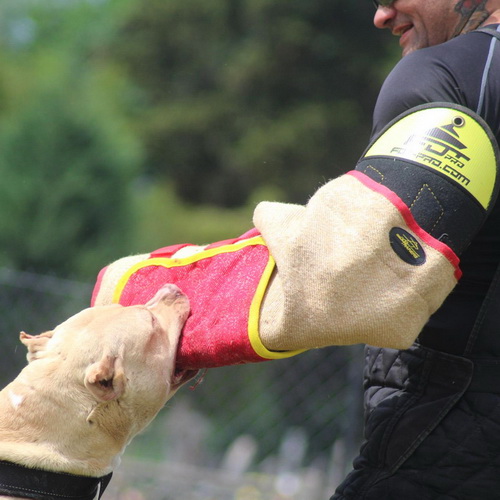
{"type": "Point", "coordinates": [68, 155]}
{"type": "Point", "coordinates": [166, 219]}
{"type": "Point", "coordinates": [242, 93]}
{"type": "Point", "coordinates": [215, 102]}
{"type": "Point", "coordinates": [66, 176]}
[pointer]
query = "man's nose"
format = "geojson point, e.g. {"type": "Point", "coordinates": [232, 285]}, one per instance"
{"type": "Point", "coordinates": [384, 16]}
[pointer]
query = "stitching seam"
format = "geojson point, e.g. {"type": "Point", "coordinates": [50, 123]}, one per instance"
{"type": "Point", "coordinates": [418, 196]}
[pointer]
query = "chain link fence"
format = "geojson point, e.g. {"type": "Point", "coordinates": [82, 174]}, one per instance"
{"type": "Point", "coordinates": [278, 430]}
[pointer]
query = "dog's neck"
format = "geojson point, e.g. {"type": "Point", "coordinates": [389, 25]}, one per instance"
{"type": "Point", "coordinates": [72, 442]}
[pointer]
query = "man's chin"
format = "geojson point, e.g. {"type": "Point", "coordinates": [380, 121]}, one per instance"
{"type": "Point", "coordinates": [404, 43]}
{"type": "Point", "coordinates": [407, 50]}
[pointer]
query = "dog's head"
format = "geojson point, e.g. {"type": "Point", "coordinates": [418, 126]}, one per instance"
{"type": "Point", "coordinates": [116, 353]}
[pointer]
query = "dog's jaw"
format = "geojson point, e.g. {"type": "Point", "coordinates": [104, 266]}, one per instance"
{"type": "Point", "coordinates": [180, 377]}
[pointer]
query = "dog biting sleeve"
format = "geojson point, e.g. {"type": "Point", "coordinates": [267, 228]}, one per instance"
{"type": "Point", "coordinates": [371, 256]}
{"type": "Point", "coordinates": [225, 283]}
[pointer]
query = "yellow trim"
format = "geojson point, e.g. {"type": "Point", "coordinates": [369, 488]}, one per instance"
{"type": "Point", "coordinates": [254, 313]}
{"type": "Point", "coordinates": [184, 261]}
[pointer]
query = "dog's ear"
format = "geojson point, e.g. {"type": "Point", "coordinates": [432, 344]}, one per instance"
{"type": "Point", "coordinates": [35, 343]}
{"type": "Point", "coordinates": [106, 378]}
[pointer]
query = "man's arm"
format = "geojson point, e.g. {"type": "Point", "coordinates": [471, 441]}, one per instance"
{"type": "Point", "coordinates": [371, 256]}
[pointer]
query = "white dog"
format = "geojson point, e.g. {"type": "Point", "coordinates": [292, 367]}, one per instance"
{"type": "Point", "coordinates": [90, 386]}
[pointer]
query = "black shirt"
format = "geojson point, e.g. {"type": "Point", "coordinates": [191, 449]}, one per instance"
{"type": "Point", "coordinates": [465, 71]}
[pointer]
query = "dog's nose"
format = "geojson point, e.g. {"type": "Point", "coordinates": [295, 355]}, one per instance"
{"type": "Point", "coordinates": [168, 294]}
{"type": "Point", "coordinates": [170, 302]}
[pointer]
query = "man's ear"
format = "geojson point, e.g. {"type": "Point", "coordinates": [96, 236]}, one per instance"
{"type": "Point", "coordinates": [35, 343]}
{"type": "Point", "coordinates": [106, 379]}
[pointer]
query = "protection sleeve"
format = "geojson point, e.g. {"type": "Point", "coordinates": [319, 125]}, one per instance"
{"type": "Point", "coordinates": [375, 252]}
{"type": "Point", "coordinates": [225, 283]}
{"type": "Point", "coordinates": [371, 256]}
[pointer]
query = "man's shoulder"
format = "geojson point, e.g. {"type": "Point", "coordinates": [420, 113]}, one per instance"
{"type": "Point", "coordinates": [455, 52]}
{"type": "Point", "coordinates": [449, 72]}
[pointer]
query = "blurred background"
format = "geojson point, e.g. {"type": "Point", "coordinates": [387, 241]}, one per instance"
{"type": "Point", "coordinates": [129, 125]}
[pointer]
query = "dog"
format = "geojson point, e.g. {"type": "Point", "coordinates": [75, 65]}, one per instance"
{"type": "Point", "coordinates": [89, 387]}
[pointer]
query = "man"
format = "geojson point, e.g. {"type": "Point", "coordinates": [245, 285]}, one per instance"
{"type": "Point", "coordinates": [373, 256]}
{"type": "Point", "coordinates": [431, 432]}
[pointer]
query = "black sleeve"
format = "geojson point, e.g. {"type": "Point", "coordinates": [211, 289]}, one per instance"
{"type": "Point", "coordinates": [452, 72]}
{"type": "Point", "coordinates": [419, 78]}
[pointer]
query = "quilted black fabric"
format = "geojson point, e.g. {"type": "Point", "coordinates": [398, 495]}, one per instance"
{"type": "Point", "coordinates": [409, 456]}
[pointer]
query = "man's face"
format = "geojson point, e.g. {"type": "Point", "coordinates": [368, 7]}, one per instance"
{"type": "Point", "coordinates": [419, 23]}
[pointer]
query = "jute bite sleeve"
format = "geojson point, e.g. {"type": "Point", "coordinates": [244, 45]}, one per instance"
{"type": "Point", "coordinates": [371, 256]}
{"type": "Point", "coordinates": [375, 252]}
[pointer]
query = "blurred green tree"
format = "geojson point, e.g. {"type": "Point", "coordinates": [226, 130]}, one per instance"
{"type": "Point", "coordinates": [239, 94]}
{"type": "Point", "coordinates": [228, 98]}
{"type": "Point", "coordinates": [68, 156]}
{"type": "Point", "coordinates": [64, 193]}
